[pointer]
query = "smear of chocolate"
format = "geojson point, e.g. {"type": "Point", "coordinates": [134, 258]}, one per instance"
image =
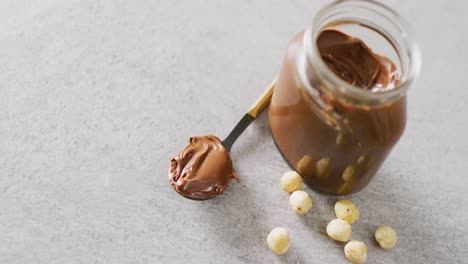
{"type": "Point", "coordinates": [203, 169]}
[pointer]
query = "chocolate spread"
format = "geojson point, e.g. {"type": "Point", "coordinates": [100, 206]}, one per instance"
{"type": "Point", "coordinates": [336, 151]}
{"type": "Point", "coordinates": [355, 63]}
{"type": "Point", "coordinates": [203, 169]}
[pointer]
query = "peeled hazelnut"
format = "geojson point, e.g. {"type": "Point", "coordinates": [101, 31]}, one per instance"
{"type": "Point", "coordinates": [346, 188]}
{"type": "Point", "coordinates": [348, 173]}
{"type": "Point", "coordinates": [339, 230]}
{"type": "Point", "coordinates": [386, 237]}
{"type": "Point", "coordinates": [306, 166]}
{"type": "Point", "coordinates": [278, 240]}
{"type": "Point", "coordinates": [346, 210]}
{"type": "Point", "coordinates": [340, 139]}
{"type": "Point", "coordinates": [323, 167]}
{"type": "Point", "coordinates": [291, 181]}
{"type": "Point", "coordinates": [300, 201]}
{"type": "Point", "coordinates": [361, 159]}
{"type": "Point", "coordinates": [356, 252]}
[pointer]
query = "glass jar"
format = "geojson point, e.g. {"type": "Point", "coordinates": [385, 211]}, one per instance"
{"type": "Point", "coordinates": [335, 134]}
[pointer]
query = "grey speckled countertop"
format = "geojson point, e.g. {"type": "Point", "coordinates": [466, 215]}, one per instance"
{"type": "Point", "coordinates": [96, 96]}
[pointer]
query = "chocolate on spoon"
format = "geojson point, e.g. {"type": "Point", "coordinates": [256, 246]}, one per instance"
{"type": "Point", "coordinates": [204, 168]}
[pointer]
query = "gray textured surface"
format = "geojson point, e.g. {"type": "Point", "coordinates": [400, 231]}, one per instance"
{"type": "Point", "coordinates": [97, 96]}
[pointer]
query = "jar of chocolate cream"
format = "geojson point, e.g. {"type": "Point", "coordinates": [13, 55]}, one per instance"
{"type": "Point", "coordinates": [339, 105]}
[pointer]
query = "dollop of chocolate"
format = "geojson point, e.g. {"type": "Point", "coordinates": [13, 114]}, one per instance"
{"type": "Point", "coordinates": [354, 62]}
{"type": "Point", "coordinates": [203, 169]}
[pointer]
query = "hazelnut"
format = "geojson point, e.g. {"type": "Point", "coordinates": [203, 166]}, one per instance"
{"type": "Point", "coordinates": [348, 173]}
{"type": "Point", "coordinates": [306, 166]}
{"type": "Point", "coordinates": [346, 210]}
{"type": "Point", "coordinates": [291, 181]}
{"type": "Point", "coordinates": [356, 252]}
{"type": "Point", "coordinates": [323, 167]}
{"type": "Point", "coordinates": [362, 159]}
{"type": "Point", "coordinates": [278, 240]}
{"type": "Point", "coordinates": [340, 139]}
{"type": "Point", "coordinates": [346, 188]}
{"type": "Point", "coordinates": [339, 230]}
{"type": "Point", "coordinates": [300, 201]}
{"type": "Point", "coordinates": [386, 237]}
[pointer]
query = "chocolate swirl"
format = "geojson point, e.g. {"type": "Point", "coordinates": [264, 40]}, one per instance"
{"type": "Point", "coordinates": [203, 169]}
{"type": "Point", "coordinates": [355, 63]}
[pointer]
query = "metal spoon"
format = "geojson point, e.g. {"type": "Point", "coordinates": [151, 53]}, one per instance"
{"type": "Point", "coordinates": [197, 155]}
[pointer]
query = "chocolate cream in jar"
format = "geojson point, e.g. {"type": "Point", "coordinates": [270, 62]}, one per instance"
{"type": "Point", "coordinates": [339, 105]}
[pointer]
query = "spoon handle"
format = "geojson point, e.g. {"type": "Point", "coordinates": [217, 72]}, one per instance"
{"type": "Point", "coordinates": [250, 116]}
{"type": "Point", "coordinates": [262, 101]}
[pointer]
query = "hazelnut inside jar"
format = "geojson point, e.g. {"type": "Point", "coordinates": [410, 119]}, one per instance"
{"type": "Point", "coordinates": [339, 105]}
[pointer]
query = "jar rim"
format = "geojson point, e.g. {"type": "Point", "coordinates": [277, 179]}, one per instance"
{"type": "Point", "coordinates": [410, 47]}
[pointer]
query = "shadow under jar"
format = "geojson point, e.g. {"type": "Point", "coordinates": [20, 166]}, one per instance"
{"type": "Point", "coordinates": [339, 105]}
